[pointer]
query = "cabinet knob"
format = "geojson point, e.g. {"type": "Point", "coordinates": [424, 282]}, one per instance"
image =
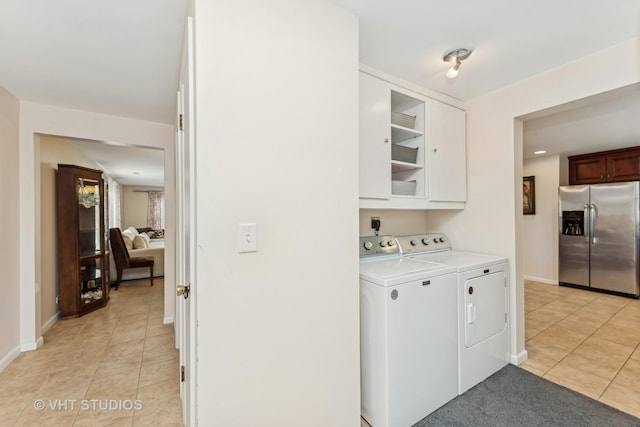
{"type": "Point", "coordinates": [435, 150]}
{"type": "Point", "coordinates": [386, 140]}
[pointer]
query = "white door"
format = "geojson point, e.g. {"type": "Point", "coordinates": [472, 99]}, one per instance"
{"type": "Point", "coordinates": [485, 300]}
{"type": "Point", "coordinates": [185, 260]}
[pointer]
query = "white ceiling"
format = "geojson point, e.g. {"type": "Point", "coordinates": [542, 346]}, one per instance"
{"type": "Point", "coordinates": [121, 57]}
{"type": "Point", "coordinates": [127, 165]}
{"type": "Point", "coordinates": [117, 57]}
{"type": "Point", "coordinates": [511, 40]}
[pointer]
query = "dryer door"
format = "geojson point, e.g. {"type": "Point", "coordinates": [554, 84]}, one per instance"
{"type": "Point", "coordinates": [485, 302]}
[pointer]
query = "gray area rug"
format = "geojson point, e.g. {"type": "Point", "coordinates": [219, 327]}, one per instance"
{"type": "Point", "coordinates": [515, 397]}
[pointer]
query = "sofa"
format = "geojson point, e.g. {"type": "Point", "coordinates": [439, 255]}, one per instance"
{"type": "Point", "coordinates": [141, 244]}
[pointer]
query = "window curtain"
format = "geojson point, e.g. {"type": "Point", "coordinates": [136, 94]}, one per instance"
{"type": "Point", "coordinates": [115, 207]}
{"type": "Point", "coordinates": [155, 217]}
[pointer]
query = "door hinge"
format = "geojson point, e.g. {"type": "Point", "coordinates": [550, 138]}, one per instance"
{"type": "Point", "coordinates": [182, 373]}
{"type": "Point", "coordinates": [180, 120]}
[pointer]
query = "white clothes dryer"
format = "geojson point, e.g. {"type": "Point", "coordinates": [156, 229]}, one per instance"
{"type": "Point", "coordinates": [482, 308]}
{"type": "Point", "coordinates": [408, 346]}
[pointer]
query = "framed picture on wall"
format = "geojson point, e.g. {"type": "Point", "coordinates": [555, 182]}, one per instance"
{"type": "Point", "coordinates": [529, 195]}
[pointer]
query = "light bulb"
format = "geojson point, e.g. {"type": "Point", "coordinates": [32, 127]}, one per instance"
{"type": "Point", "coordinates": [453, 71]}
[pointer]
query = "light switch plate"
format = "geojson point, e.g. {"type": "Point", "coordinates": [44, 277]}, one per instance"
{"type": "Point", "coordinates": [247, 238]}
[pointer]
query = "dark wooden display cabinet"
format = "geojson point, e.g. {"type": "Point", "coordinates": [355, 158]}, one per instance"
{"type": "Point", "coordinates": [82, 261]}
{"type": "Point", "coordinates": [605, 166]}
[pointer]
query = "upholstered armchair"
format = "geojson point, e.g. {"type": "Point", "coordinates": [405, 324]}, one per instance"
{"type": "Point", "coordinates": [123, 260]}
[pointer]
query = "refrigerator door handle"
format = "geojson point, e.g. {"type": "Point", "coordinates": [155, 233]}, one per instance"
{"type": "Point", "coordinates": [592, 222]}
{"type": "Point", "coordinates": [587, 231]}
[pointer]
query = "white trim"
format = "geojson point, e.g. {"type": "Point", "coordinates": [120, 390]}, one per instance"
{"type": "Point", "coordinates": [4, 362]}
{"type": "Point", "coordinates": [517, 359]}
{"type": "Point", "coordinates": [167, 320]}
{"type": "Point", "coordinates": [34, 345]}
{"type": "Point", "coordinates": [49, 323]}
{"type": "Point", "coordinates": [541, 280]}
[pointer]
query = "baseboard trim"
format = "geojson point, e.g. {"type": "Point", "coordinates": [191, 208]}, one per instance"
{"type": "Point", "coordinates": [167, 320]}
{"type": "Point", "coordinates": [10, 357]}
{"type": "Point", "coordinates": [30, 346]}
{"type": "Point", "coordinates": [541, 280]}
{"type": "Point", "coordinates": [517, 359]}
{"type": "Point", "coordinates": [49, 323]}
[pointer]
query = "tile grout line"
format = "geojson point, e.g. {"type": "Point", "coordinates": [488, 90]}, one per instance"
{"type": "Point", "coordinates": [610, 317]}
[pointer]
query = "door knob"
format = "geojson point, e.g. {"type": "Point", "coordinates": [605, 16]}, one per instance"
{"type": "Point", "coordinates": [182, 290]}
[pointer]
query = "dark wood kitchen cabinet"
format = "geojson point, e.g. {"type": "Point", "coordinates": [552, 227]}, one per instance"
{"type": "Point", "coordinates": [82, 263]}
{"type": "Point", "coordinates": [605, 166]}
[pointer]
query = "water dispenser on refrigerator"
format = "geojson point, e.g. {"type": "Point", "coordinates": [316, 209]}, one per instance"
{"type": "Point", "coordinates": [573, 223]}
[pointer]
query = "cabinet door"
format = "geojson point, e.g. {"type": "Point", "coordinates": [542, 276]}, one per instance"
{"type": "Point", "coordinates": [623, 166]}
{"type": "Point", "coordinates": [587, 170]}
{"type": "Point", "coordinates": [375, 138]}
{"type": "Point", "coordinates": [447, 174]}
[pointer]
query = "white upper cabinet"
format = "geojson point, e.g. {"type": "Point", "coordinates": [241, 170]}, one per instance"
{"type": "Point", "coordinates": [412, 149]}
{"type": "Point", "coordinates": [375, 138]}
{"type": "Point", "coordinates": [447, 154]}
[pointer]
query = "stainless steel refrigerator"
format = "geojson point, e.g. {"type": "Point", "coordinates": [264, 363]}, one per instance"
{"type": "Point", "coordinates": [599, 228]}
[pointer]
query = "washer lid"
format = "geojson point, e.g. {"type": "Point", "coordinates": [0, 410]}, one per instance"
{"type": "Point", "coordinates": [463, 261]}
{"type": "Point", "coordinates": [400, 270]}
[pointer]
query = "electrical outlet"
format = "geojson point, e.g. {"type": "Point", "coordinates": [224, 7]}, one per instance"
{"type": "Point", "coordinates": [57, 300]}
{"type": "Point", "coordinates": [376, 223]}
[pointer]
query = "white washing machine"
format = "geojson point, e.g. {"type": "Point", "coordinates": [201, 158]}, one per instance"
{"type": "Point", "coordinates": [483, 304]}
{"type": "Point", "coordinates": [408, 346]}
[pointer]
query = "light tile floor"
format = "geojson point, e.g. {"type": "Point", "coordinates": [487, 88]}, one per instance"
{"type": "Point", "coordinates": [585, 341]}
{"type": "Point", "coordinates": [109, 359]}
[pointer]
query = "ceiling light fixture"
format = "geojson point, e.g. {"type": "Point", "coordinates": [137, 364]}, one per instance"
{"type": "Point", "coordinates": [457, 55]}
{"type": "Point", "coordinates": [540, 152]}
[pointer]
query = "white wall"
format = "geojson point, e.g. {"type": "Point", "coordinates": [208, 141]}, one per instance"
{"type": "Point", "coordinates": [540, 231]}
{"type": "Point", "coordinates": [135, 204]}
{"type": "Point", "coordinates": [53, 150]}
{"type": "Point", "coordinates": [277, 144]}
{"type": "Point", "coordinates": [39, 119]}
{"type": "Point", "coordinates": [493, 220]}
{"type": "Point", "coordinates": [10, 230]}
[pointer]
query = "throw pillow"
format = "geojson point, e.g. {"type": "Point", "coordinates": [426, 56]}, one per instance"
{"type": "Point", "coordinates": [146, 238]}
{"type": "Point", "coordinates": [127, 241]}
{"type": "Point", "coordinates": [139, 242]}
{"type": "Point", "coordinates": [133, 230]}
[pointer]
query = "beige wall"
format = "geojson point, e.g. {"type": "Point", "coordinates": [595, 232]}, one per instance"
{"type": "Point", "coordinates": [394, 221]}
{"type": "Point", "coordinates": [10, 230]}
{"type": "Point", "coordinates": [540, 231]}
{"type": "Point", "coordinates": [135, 203]}
{"type": "Point", "coordinates": [277, 144]}
{"type": "Point", "coordinates": [53, 150]}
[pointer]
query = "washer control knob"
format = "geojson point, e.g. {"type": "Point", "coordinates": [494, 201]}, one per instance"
{"type": "Point", "coordinates": [425, 241]}
{"type": "Point", "coordinates": [413, 242]}
{"type": "Point", "coordinates": [441, 240]}
{"type": "Point", "coordinates": [382, 244]}
{"type": "Point", "coordinates": [368, 245]}
{"type": "Point", "coordinates": [390, 243]}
